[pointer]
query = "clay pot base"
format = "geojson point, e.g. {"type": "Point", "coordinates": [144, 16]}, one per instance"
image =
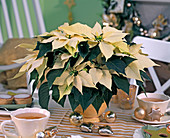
{"type": "Point", "coordinates": [90, 119]}
{"type": "Point", "coordinates": [90, 114]}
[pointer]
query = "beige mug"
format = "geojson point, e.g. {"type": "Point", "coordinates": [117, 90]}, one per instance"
{"type": "Point", "coordinates": [148, 105]}
{"type": "Point", "coordinates": [26, 128]}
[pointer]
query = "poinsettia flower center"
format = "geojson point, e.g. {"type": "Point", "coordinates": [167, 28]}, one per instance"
{"type": "Point", "coordinates": [98, 38]}
{"type": "Point", "coordinates": [74, 72]}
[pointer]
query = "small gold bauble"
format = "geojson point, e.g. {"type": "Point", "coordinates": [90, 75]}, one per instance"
{"type": "Point", "coordinates": [76, 118]}
{"type": "Point", "coordinates": [110, 116]}
{"type": "Point", "coordinates": [139, 113]}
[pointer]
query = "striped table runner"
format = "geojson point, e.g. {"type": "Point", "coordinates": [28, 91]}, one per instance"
{"type": "Point", "coordinates": [123, 127]}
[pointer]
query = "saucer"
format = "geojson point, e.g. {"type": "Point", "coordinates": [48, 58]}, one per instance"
{"type": "Point", "coordinates": [164, 119]}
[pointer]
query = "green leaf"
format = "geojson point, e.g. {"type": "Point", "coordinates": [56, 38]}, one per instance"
{"type": "Point", "coordinates": [98, 102]}
{"type": "Point", "coordinates": [121, 82]}
{"type": "Point", "coordinates": [66, 66]}
{"type": "Point", "coordinates": [52, 74]}
{"type": "Point", "coordinates": [33, 75]}
{"type": "Point", "coordinates": [94, 53]}
{"type": "Point", "coordinates": [72, 101]}
{"type": "Point", "coordinates": [89, 94]}
{"type": "Point", "coordinates": [106, 93]}
{"type": "Point", "coordinates": [44, 96]}
{"type": "Point", "coordinates": [46, 37]}
{"type": "Point", "coordinates": [37, 46]}
{"type": "Point", "coordinates": [116, 64]}
{"type": "Point", "coordinates": [127, 60]}
{"type": "Point", "coordinates": [144, 75]}
{"type": "Point", "coordinates": [56, 96]}
{"type": "Point", "coordinates": [51, 59]}
{"type": "Point", "coordinates": [107, 96]}
{"type": "Point", "coordinates": [43, 48]}
{"type": "Point", "coordinates": [83, 48]}
{"type": "Point", "coordinates": [140, 83]}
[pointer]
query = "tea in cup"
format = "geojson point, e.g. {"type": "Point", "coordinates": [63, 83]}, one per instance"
{"type": "Point", "coordinates": [27, 122]}
{"type": "Point", "coordinates": [153, 100]}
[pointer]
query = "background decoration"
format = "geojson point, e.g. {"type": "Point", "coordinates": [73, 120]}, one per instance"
{"type": "Point", "coordinates": [70, 4]}
{"type": "Point", "coordinates": [159, 24]}
{"type": "Point", "coordinates": [129, 20]}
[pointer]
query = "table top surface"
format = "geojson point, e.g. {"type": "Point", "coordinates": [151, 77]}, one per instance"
{"type": "Point", "coordinates": [123, 127]}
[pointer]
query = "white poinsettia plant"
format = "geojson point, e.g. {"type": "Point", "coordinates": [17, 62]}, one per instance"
{"type": "Point", "coordinates": [86, 64]}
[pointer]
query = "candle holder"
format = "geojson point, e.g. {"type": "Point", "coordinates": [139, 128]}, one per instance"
{"type": "Point", "coordinates": [126, 101]}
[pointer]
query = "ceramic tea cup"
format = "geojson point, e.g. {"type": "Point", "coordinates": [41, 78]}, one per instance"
{"type": "Point", "coordinates": [153, 100]}
{"type": "Point", "coordinates": [27, 122]}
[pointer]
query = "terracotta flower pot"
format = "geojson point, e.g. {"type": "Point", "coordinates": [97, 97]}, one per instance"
{"type": "Point", "coordinates": [90, 114]}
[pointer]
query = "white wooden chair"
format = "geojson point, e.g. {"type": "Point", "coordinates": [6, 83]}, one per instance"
{"type": "Point", "coordinates": [40, 23]}
{"type": "Point", "coordinates": [158, 50]}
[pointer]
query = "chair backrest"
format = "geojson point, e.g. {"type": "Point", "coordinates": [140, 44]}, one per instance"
{"type": "Point", "coordinates": [29, 23]}
{"type": "Point", "coordinates": [38, 14]}
{"type": "Point", "coordinates": [157, 50]}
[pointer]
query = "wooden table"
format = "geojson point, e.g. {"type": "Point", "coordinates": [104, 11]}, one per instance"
{"type": "Point", "coordinates": [123, 127]}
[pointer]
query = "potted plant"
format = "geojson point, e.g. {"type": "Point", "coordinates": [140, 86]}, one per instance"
{"type": "Point", "coordinates": [86, 64]}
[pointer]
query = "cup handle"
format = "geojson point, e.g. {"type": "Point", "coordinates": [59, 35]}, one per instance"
{"type": "Point", "coordinates": [8, 134]}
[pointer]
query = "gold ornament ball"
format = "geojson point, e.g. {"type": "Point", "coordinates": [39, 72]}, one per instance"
{"type": "Point", "coordinates": [139, 113]}
{"type": "Point", "coordinates": [110, 116]}
{"type": "Point", "coordinates": [76, 118]}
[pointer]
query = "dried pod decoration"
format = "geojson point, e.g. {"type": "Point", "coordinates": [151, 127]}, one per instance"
{"type": "Point", "coordinates": [87, 127]}
{"type": "Point", "coordinates": [48, 133]}
{"type": "Point", "coordinates": [105, 130]}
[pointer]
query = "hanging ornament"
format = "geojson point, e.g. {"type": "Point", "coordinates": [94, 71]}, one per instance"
{"type": "Point", "coordinates": [160, 22]}
{"type": "Point", "coordinates": [110, 116]}
{"type": "Point", "coordinates": [128, 26]}
{"type": "Point", "coordinates": [141, 29]}
{"type": "Point", "coordinates": [140, 113]}
{"type": "Point", "coordinates": [105, 130]}
{"type": "Point", "coordinates": [70, 4]}
{"type": "Point", "coordinates": [153, 32]}
{"type": "Point", "coordinates": [110, 19]}
{"type": "Point", "coordinates": [138, 23]}
{"type": "Point", "coordinates": [129, 4]}
{"type": "Point", "coordinates": [158, 25]}
{"type": "Point", "coordinates": [76, 118]}
{"type": "Point", "coordinates": [155, 114]}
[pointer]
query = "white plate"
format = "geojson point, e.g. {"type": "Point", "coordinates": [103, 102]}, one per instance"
{"type": "Point", "coordinates": [164, 119]}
